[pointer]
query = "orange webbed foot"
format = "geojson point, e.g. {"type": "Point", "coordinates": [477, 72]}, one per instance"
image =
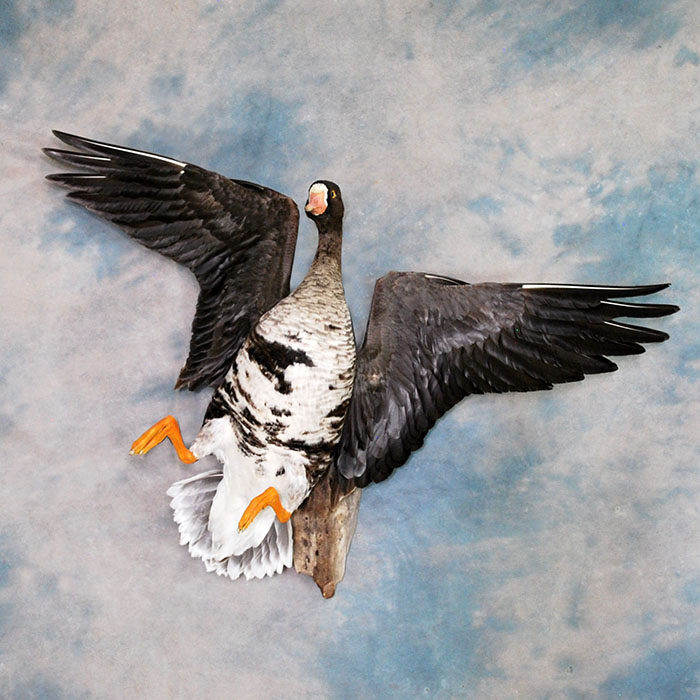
{"type": "Point", "coordinates": [269, 497]}
{"type": "Point", "coordinates": [165, 428]}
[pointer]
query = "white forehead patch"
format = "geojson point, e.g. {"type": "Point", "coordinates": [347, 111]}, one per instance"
{"type": "Point", "coordinates": [318, 199]}
{"type": "Point", "coordinates": [319, 188]}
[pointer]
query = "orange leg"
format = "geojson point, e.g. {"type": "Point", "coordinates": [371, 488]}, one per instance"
{"type": "Point", "coordinates": [166, 428]}
{"type": "Point", "coordinates": [269, 497]}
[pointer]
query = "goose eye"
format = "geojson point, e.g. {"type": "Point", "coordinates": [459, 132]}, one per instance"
{"type": "Point", "coordinates": [333, 194]}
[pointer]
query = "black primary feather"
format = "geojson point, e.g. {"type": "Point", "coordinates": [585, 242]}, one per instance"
{"type": "Point", "coordinates": [431, 341]}
{"type": "Point", "coordinates": [238, 238]}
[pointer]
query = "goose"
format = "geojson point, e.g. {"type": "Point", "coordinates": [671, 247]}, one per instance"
{"type": "Point", "coordinates": [293, 400]}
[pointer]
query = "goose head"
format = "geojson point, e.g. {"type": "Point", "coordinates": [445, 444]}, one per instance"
{"type": "Point", "coordinates": [324, 203]}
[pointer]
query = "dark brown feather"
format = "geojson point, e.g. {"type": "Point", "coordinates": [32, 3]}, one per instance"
{"type": "Point", "coordinates": [431, 341]}
{"type": "Point", "coordinates": [237, 238]}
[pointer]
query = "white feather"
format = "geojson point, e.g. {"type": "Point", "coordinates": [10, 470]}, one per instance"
{"type": "Point", "coordinates": [191, 502]}
{"type": "Point", "coordinates": [143, 154]}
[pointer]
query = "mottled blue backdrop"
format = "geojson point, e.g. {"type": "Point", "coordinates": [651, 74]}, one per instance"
{"type": "Point", "coordinates": [540, 545]}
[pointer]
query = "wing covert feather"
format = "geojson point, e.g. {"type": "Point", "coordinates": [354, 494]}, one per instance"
{"type": "Point", "coordinates": [431, 341]}
{"type": "Point", "coordinates": [237, 238]}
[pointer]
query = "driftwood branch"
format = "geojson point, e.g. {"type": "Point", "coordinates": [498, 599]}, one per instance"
{"type": "Point", "coordinates": [323, 529]}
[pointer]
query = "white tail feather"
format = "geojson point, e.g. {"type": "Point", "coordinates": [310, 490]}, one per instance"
{"type": "Point", "coordinates": [191, 502]}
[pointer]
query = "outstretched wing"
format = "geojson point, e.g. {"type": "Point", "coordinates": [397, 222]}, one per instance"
{"type": "Point", "coordinates": [431, 341]}
{"type": "Point", "coordinates": [236, 237]}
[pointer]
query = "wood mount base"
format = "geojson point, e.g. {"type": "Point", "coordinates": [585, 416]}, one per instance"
{"type": "Point", "coordinates": [322, 535]}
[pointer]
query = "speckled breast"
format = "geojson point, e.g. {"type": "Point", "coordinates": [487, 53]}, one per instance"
{"type": "Point", "coordinates": [290, 385]}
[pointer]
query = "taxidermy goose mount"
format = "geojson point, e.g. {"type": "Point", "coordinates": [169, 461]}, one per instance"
{"type": "Point", "coordinates": [298, 420]}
